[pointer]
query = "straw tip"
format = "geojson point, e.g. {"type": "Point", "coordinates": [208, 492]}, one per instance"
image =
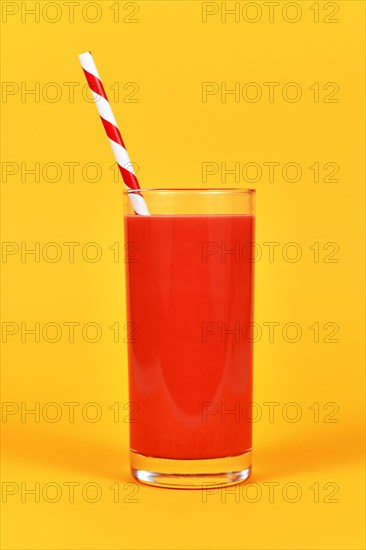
{"type": "Point", "coordinates": [85, 54]}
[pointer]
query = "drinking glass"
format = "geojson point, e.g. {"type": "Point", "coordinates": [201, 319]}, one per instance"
{"type": "Point", "coordinates": [189, 288]}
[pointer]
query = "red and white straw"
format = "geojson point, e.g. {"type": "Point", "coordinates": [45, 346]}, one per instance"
{"type": "Point", "coordinates": [112, 131]}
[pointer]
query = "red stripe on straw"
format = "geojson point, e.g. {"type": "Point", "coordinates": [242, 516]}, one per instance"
{"type": "Point", "coordinates": [129, 178]}
{"type": "Point", "coordinates": [95, 84]}
{"type": "Point", "coordinates": [112, 132]}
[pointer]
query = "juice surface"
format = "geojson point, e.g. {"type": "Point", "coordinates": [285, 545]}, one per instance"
{"type": "Point", "coordinates": [189, 309]}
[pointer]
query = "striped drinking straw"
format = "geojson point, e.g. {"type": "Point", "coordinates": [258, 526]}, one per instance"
{"type": "Point", "coordinates": [112, 131]}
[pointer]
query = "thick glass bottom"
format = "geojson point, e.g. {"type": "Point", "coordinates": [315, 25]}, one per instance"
{"type": "Point", "coordinates": [191, 474]}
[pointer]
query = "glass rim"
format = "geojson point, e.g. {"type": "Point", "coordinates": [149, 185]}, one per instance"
{"type": "Point", "coordinates": [199, 190]}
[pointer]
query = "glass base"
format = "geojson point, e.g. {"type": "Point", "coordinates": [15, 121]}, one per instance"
{"type": "Point", "coordinates": [191, 474]}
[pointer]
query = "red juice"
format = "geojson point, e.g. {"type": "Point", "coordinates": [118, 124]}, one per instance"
{"type": "Point", "coordinates": [190, 314]}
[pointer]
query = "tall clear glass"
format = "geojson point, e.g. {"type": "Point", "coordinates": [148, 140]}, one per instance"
{"type": "Point", "coordinates": [189, 284]}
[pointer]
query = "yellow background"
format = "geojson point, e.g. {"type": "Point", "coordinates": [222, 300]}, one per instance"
{"type": "Point", "coordinates": [169, 52]}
